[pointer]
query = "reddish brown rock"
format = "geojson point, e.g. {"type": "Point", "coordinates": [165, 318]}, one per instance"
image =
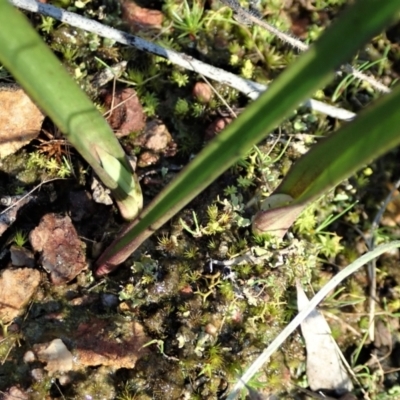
{"type": "Point", "coordinates": [17, 286]}
{"type": "Point", "coordinates": [127, 113]}
{"type": "Point", "coordinates": [63, 253]}
{"type": "Point", "coordinates": [140, 18]}
{"type": "Point", "coordinates": [216, 127]}
{"type": "Point", "coordinates": [102, 342]}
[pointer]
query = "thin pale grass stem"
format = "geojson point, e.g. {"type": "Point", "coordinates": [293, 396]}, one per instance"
{"type": "Point", "coordinates": [302, 315]}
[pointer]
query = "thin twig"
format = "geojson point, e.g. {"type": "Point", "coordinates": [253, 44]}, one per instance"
{"type": "Point", "coordinates": [29, 193]}
{"type": "Point", "coordinates": [249, 88]}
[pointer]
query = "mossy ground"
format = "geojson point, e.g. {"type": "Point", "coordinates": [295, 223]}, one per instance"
{"type": "Point", "coordinates": [209, 321]}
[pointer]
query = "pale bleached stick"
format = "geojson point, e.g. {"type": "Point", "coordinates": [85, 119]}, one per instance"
{"type": "Point", "coordinates": [249, 88]}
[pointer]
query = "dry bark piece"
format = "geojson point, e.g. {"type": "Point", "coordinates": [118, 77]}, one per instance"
{"type": "Point", "coordinates": [140, 18]}
{"type": "Point", "coordinates": [63, 253]}
{"type": "Point", "coordinates": [96, 343]}
{"type": "Point", "coordinates": [56, 355]}
{"type": "Point", "coordinates": [127, 113]}
{"type": "Point", "coordinates": [20, 119]}
{"type": "Point", "coordinates": [17, 286]}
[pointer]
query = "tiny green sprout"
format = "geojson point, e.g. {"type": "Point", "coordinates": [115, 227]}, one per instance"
{"type": "Point", "coordinates": [52, 165]}
{"type": "Point", "coordinates": [247, 69]}
{"type": "Point", "coordinates": [19, 190]}
{"type": "Point", "coordinates": [244, 182]}
{"type": "Point", "coordinates": [65, 169]}
{"type": "Point", "coordinates": [36, 160]}
{"type": "Point", "coordinates": [212, 244]}
{"type": "Point", "coordinates": [214, 362]}
{"type": "Point", "coordinates": [187, 20]}
{"type": "Point", "coordinates": [198, 110]}
{"type": "Point", "coordinates": [213, 227]}
{"type": "Point", "coordinates": [20, 238]}
{"type": "Point", "coordinates": [182, 107]}
{"type": "Point", "coordinates": [229, 190]}
{"type": "Point", "coordinates": [212, 212]}
{"type": "Point", "coordinates": [330, 244]}
{"type": "Point", "coordinates": [47, 24]}
{"type": "Point", "coordinates": [135, 76]}
{"type": "Point", "coordinates": [150, 103]}
{"type": "Point", "coordinates": [167, 244]}
{"type": "Point", "coordinates": [179, 78]}
{"type": "Point", "coordinates": [191, 252]}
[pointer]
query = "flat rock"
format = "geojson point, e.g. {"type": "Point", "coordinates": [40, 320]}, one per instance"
{"type": "Point", "coordinates": [17, 286]}
{"type": "Point", "coordinates": [96, 343]}
{"type": "Point", "coordinates": [20, 119]}
{"type": "Point", "coordinates": [63, 253]}
{"type": "Point", "coordinates": [126, 114]}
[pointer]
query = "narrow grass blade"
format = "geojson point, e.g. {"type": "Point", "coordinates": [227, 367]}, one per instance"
{"type": "Point", "coordinates": [41, 74]}
{"type": "Point", "coordinates": [311, 71]}
{"type": "Point", "coordinates": [375, 131]}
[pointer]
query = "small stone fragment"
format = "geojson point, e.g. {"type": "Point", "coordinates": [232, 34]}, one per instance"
{"type": "Point", "coordinates": [216, 127]}
{"type": "Point", "coordinates": [147, 158]}
{"type": "Point", "coordinates": [157, 140]}
{"type": "Point", "coordinates": [14, 393]}
{"type": "Point", "coordinates": [155, 137]}
{"type": "Point", "coordinates": [56, 355]}
{"type": "Point", "coordinates": [29, 356]}
{"type": "Point", "coordinates": [127, 113]}
{"type": "Point", "coordinates": [21, 257]}
{"type": "Point", "coordinates": [101, 194]}
{"type": "Point", "coordinates": [63, 253]}
{"type": "Point", "coordinates": [17, 286]}
{"type": "Point", "coordinates": [202, 92]}
{"type": "Point", "coordinates": [20, 119]}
